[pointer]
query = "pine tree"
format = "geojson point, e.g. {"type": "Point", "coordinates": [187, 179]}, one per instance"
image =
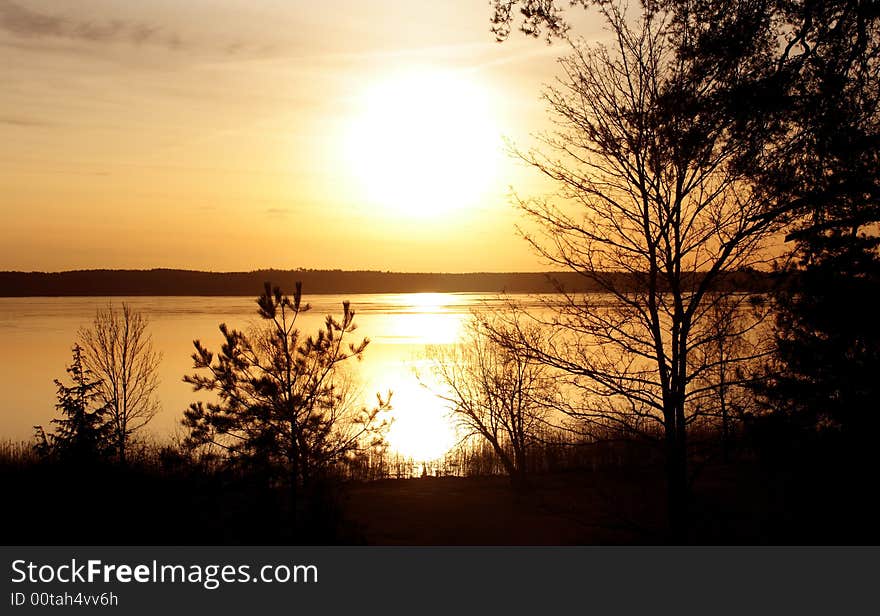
{"type": "Point", "coordinates": [82, 433]}
{"type": "Point", "coordinates": [282, 401]}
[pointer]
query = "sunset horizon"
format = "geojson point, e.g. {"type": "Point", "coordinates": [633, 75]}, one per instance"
{"type": "Point", "coordinates": [419, 273]}
{"type": "Point", "coordinates": [145, 133]}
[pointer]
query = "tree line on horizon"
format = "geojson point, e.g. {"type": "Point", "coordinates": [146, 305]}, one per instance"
{"type": "Point", "coordinates": [159, 282]}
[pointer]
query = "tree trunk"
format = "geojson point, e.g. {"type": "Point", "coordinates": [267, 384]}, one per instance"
{"type": "Point", "coordinates": [120, 444]}
{"type": "Point", "coordinates": [722, 400]}
{"type": "Point", "coordinates": [294, 480]}
{"type": "Point", "coordinates": [519, 462]}
{"type": "Point", "coordinates": [676, 475]}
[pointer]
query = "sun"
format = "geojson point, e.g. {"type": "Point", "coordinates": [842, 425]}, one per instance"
{"type": "Point", "coordinates": [424, 143]}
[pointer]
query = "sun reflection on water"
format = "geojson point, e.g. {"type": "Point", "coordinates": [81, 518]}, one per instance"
{"type": "Point", "coordinates": [422, 428]}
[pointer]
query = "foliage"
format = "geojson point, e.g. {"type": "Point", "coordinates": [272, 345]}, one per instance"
{"type": "Point", "coordinates": [82, 434]}
{"type": "Point", "coordinates": [539, 17]}
{"type": "Point", "coordinates": [828, 338]}
{"type": "Point", "coordinates": [798, 78]}
{"type": "Point", "coordinates": [283, 402]}
{"type": "Point", "coordinates": [794, 87]}
{"type": "Point", "coordinates": [824, 374]}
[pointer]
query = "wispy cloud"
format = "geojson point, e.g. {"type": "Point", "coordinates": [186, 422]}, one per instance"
{"type": "Point", "coordinates": [24, 122]}
{"type": "Point", "coordinates": [24, 22]}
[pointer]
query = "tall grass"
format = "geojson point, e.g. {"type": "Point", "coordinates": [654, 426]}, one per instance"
{"type": "Point", "coordinates": [17, 454]}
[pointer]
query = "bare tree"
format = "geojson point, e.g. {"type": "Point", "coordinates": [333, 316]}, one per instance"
{"type": "Point", "coordinates": [495, 392]}
{"type": "Point", "coordinates": [118, 349]}
{"type": "Point", "coordinates": [655, 212]}
{"type": "Point", "coordinates": [735, 340]}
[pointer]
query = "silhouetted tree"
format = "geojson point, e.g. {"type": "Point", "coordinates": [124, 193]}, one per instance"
{"type": "Point", "coordinates": [82, 434]}
{"type": "Point", "coordinates": [651, 187]}
{"type": "Point", "coordinates": [283, 401]}
{"type": "Point", "coordinates": [118, 349]}
{"type": "Point", "coordinates": [828, 342]}
{"type": "Point", "coordinates": [825, 373]}
{"type": "Point", "coordinates": [808, 100]}
{"type": "Point", "coordinates": [495, 393]}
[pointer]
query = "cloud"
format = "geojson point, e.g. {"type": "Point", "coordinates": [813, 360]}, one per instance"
{"type": "Point", "coordinates": [23, 22]}
{"type": "Point", "coordinates": [23, 122]}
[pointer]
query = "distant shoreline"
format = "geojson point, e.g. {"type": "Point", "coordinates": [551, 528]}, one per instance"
{"type": "Point", "coordinates": [171, 282]}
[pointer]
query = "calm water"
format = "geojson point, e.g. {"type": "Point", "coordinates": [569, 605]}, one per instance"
{"type": "Point", "coordinates": [36, 335]}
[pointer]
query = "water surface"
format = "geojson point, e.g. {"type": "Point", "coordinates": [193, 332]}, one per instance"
{"type": "Point", "coordinates": [36, 335]}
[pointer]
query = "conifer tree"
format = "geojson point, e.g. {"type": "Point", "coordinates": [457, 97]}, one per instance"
{"type": "Point", "coordinates": [283, 403]}
{"type": "Point", "coordinates": [824, 375]}
{"type": "Point", "coordinates": [82, 433]}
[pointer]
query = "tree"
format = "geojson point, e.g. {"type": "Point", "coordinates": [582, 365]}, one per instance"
{"type": "Point", "coordinates": [495, 393]}
{"type": "Point", "coordinates": [283, 400]}
{"type": "Point", "coordinates": [83, 433]}
{"type": "Point", "coordinates": [824, 373]}
{"type": "Point", "coordinates": [118, 349]}
{"type": "Point", "coordinates": [656, 208]}
{"type": "Point", "coordinates": [817, 121]}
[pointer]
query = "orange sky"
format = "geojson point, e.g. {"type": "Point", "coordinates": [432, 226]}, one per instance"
{"type": "Point", "coordinates": [237, 135]}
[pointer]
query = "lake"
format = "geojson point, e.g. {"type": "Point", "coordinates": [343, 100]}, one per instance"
{"type": "Point", "coordinates": [37, 333]}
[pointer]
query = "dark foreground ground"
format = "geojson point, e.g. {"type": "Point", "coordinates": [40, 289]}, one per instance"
{"type": "Point", "coordinates": [740, 504]}
{"type": "Point", "coordinates": [820, 501]}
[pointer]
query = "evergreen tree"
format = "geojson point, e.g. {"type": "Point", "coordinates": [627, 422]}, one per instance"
{"type": "Point", "coordinates": [828, 337]}
{"type": "Point", "coordinates": [826, 174]}
{"type": "Point", "coordinates": [82, 433]}
{"type": "Point", "coordinates": [283, 403]}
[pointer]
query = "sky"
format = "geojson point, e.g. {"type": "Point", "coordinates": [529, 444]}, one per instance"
{"type": "Point", "coordinates": [234, 135]}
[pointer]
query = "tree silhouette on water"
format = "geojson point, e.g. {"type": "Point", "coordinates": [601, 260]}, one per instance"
{"type": "Point", "coordinates": [82, 434]}
{"type": "Point", "coordinates": [285, 406]}
{"type": "Point", "coordinates": [118, 348]}
{"type": "Point", "coordinates": [495, 393]}
{"type": "Point", "coordinates": [649, 185]}
{"type": "Point", "coordinates": [796, 85]}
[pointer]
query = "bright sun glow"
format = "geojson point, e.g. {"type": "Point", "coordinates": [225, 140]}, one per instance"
{"type": "Point", "coordinates": [425, 431]}
{"type": "Point", "coordinates": [425, 143]}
